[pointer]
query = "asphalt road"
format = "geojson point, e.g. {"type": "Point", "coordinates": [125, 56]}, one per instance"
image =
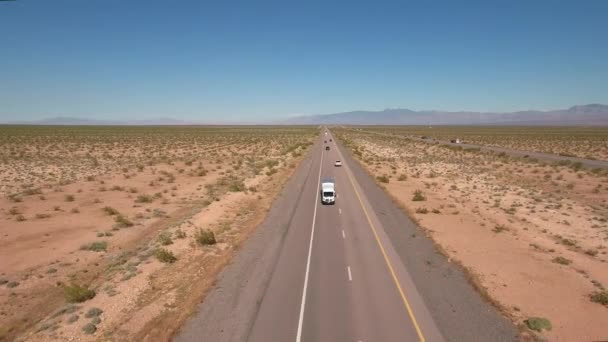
{"type": "Point", "coordinates": [352, 271]}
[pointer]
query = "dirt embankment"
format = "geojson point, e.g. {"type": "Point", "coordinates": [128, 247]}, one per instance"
{"type": "Point", "coordinates": [533, 236]}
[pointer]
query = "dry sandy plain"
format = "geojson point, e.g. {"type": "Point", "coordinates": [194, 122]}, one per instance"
{"type": "Point", "coordinates": [115, 233]}
{"type": "Point", "coordinates": [532, 236]}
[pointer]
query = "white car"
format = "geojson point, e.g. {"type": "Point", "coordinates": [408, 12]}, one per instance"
{"type": "Point", "coordinates": [338, 163]}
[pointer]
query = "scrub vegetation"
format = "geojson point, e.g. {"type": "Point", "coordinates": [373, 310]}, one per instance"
{"type": "Point", "coordinates": [110, 217]}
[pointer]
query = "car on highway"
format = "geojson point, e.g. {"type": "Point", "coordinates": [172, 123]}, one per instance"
{"type": "Point", "coordinates": [326, 148]}
{"type": "Point", "coordinates": [338, 163]}
{"type": "Point", "coordinates": [330, 140]}
{"type": "Point", "coordinates": [328, 191]}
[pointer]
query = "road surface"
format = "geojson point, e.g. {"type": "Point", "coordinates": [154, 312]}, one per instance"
{"type": "Point", "coordinates": [352, 271]}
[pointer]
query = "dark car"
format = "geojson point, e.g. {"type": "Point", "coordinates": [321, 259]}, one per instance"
{"type": "Point", "coordinates": [330, 140]}
{"type": "Point", "coordinates": [326, 148]}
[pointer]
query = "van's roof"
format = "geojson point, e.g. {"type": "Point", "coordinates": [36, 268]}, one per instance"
{"type": "Point", "coordinates": [327, 186]}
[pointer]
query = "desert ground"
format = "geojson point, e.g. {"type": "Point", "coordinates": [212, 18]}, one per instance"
{"type": "Point", "coordinates": [582, 142]}
{"type": "Point", "coordinates": [532, 236]}
{"type": "Point", "coordinates": [116, 233]}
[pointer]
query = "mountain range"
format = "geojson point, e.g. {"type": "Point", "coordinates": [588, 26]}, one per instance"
{"type": "Point", "coordinates": [590, 115]}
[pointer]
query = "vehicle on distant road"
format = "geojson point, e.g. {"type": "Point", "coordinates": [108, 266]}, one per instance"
{"type": "Point", "coordinates": [326, 148]}
{"type": "Point", "coordinates": [325, 141]}
{"type": "Point", "coordinates": [338, 163]}
{"type": "Point", "coordinates": [328, 191]}
{"type": "Point", "coordinates": [455, 141]}
{"type": "Point", "coordinates": [330, 140]}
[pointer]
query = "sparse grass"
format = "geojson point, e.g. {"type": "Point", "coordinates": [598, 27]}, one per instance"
{"type": "Point", "coordinates": [78, 294]}
{"type": "Point", "coordinates": [165, 256]}
{"type": "Point", "coordinates": [204, 237]}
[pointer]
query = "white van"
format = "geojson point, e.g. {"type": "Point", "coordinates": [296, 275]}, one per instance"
{"type": "Point", "coordinates": [328, 192]}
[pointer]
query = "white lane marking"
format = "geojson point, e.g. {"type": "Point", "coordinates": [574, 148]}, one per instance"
{"type": "Point", "coordinates": [312, 234]}
{"type": "Point", "coordinates": [343, 235]}
{"type": "Point", "coordinates": [339, 211]}
{"type": "Point", "coordinates": [350, 276]}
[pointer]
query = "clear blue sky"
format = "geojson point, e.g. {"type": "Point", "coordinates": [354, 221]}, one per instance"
{"type": "Point", "coordinates": [253, 60]}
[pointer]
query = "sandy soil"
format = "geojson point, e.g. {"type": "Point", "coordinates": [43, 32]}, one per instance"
{"type": "Point", "coordinates": [46, 225]}
{"type": "Point", "coordinates": [534, 237]}
{"type": "Point", "coordinates": [582, 142]}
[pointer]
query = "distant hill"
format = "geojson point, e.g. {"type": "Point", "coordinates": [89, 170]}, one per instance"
{"type": "Point", "coordinates": [592, 114]}
{"type": "Point", "coordinates": [69, 121]}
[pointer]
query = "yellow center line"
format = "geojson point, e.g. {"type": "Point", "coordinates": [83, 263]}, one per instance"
{"type": "Point", "coordinates": [388, 263]}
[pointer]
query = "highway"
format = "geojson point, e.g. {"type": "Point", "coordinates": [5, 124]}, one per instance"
{"type": "Point", "coordinates": [331, 273]}
{"type": "Point", "coordinates": [337, 277]}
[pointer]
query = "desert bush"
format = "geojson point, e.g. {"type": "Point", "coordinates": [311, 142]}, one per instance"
{"type": "Point", "coordinates": [538, 323]}
{"type": "Point", "coordinates": [180, 234]}
{"type": "Point", "coordinates": [204, 237]}
{"type": "Point", "coordinates": [600, 297]}
{"type": "Point", "coordinates": [93, 312]}
{"type": "Point", "coordinates": [383, 179]}
{"type": "Point", "coordinates": [561, 260]}
{"type": "Point", "coordinates": [69, 198]}
{"type": "Point", "coordinates": [165, 255]}
{"type": "Point", "coordinates": [144, 199]}
{"type": "Point", "coordinates": [97, 246]}
{"type": "Point", "coordinates": [499, 228]}
{"type": "Point", "coordinates": [110, 211]}
{"type": "Point", "coordinates": [78, 294]}
{"type": "Point", "coordinates": [165, 238]}
{"type": "Point", "coordinates": [123, 222]}
{"type": "Point", "coordinates": [418, 196]}
{"type": "Point", "coordinates": [236, 185]}
{"type": "Point", "coordinates": [89, 328]}
{"type": "Point", "coordinates": [422, 210]}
